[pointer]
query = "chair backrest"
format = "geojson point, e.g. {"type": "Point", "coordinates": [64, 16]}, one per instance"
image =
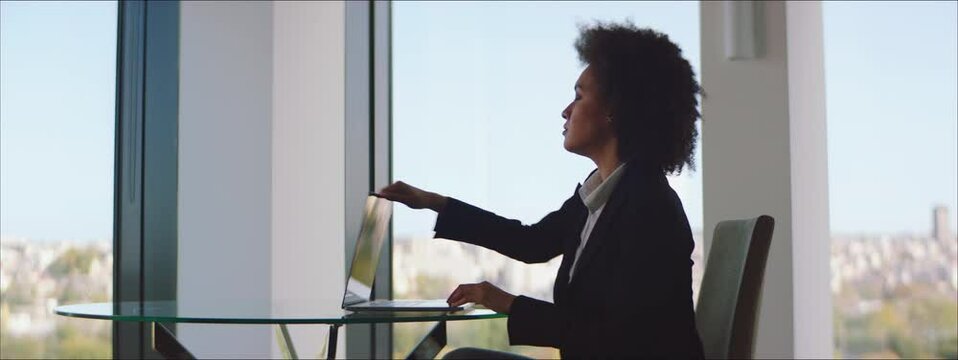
{"type": "Point", "coordinates": [731, 289]}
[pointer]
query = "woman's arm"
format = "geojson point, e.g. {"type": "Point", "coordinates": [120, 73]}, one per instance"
{"type": "Point", "coordinates": [459, 221]}
{"type": "Point", "coordinates": [536, 243]}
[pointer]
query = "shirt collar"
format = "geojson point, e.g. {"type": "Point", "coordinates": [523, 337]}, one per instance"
{"type": "Point", "coordinates": [595, 192]}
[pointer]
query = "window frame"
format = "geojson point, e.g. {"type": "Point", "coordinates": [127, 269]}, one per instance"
{"type": "Point", "coordinates": [145, 164]}
{"type": "Point", "coordinates": [368, 134]}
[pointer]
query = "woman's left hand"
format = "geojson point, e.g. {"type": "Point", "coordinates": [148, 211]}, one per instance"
{"type": "Point", "coordinates": [482, 293]}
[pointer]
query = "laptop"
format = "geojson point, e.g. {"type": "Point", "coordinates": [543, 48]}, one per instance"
{"type": "Point", "coordinates": [362, 271]}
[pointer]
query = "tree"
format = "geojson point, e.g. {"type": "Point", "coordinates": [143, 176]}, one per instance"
{"type": "Point", "coordinates": [76, 260]}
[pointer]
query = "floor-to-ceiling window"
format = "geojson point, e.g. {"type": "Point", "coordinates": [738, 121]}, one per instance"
{"type": "Point", "coordinates": [57, 100]}
{"type": "Point", "coordinates": [891, 71]}
{"type": "Point", "coordinates": [478, 88]}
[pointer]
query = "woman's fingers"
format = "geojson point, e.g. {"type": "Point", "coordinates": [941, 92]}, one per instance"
{"type": "Point", "coordinates": [465, 293]}
{"type": "Point", "coordinates": [393, 195]}
{"type": "Point", "coordinates": [483, 293]}
{"type": "Point", "coordinates": [452, 295]}
{"type": "Point", "coordinates": [389, 195]}
{"type": "Point", "coordinates": [403, 193]}
{"type": "Point", "coordinates": [461, 300]}
{"type": "Point", "coordinates": [392, 190]}
{"type": "Point", "coordinates": [456, 294]}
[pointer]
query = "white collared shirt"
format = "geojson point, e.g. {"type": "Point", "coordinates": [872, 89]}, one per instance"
{"type": "Point", "coordinates": [594, 193]}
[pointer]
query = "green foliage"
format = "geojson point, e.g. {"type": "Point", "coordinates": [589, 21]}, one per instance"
{"type": "Point", "coordinates": [71, 296]}
{"type": "Point", "coordinates": [859, 342]}
{"type": "Point", "coordinates": [70, 338]}
{"type": "Point", "coordinates": [486, 334]}
{"type": "Point", "coordinates": [85, 347]}
{"type": "Point", "coordinates": [433, 287]}
{"type": "Point", "coordinates": [68, 341]}
{"type": "Point", "coordinates": [74, 260]}
{"type": "Point", "coordinates": [406, 336]}
{"type": "Point", "coordinates": [19, 293]}
{"type": "Point", "coordinates": [912, 322]}
{"type": "Point", "coordinates": [948, 348]}
{"type": "Point", "coordinates": [906, 346]}
{"type": "Point", "coordinates": [20, 347]}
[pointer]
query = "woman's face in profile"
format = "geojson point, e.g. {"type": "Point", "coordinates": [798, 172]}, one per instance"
{"type": "Point", "coordinates": [587, 127]}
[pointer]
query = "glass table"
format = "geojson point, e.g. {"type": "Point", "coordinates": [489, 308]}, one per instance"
{"type": "Point", "coordinates": [279, 313]}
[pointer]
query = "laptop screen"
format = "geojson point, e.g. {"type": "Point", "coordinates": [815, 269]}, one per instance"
{"type": "Point", "coordinates": [369, 244]}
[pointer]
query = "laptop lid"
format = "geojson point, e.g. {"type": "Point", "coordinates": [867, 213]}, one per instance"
{"type": "Point", "coordinates": [369, 244]}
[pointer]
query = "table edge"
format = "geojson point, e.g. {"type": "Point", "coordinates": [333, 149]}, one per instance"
{"type": "Point", "coordinates": [196, 320]}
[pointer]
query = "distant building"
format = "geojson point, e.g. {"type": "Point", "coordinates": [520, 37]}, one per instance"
{"type": "Point", "coordinates": [941, 229]}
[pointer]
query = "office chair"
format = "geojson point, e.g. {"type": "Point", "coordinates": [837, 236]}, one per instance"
{"type": "Point", "coordinates": [730, 295]}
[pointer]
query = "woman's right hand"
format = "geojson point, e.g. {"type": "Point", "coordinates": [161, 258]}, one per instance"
{"type": "Point", "coordinates": [412, 196]}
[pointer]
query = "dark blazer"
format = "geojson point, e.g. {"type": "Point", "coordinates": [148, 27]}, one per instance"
{"type": "Point", "coordinates": [631, 294]}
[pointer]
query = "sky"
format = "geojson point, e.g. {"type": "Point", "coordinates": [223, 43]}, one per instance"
{"type": "Point", "coordinates": [488, 97]}
{"type": "Point", "coordinates": [891, 83]}
{"type": "Point", "coordinates": [476, 110]}
{"type": "Point", "coordinates": [57, 84]}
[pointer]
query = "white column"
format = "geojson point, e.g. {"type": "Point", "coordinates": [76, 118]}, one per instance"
{"type": "Point", "coordinates": [763, 152]}
{"type": "Point", "coordinates": [308, 161]}
{"type": "Point", "coordinates": [225, 165]}
{"type": "Point", "coordinates": [811, 239]}
{"type": "Point", "coordinates": [261, 177]}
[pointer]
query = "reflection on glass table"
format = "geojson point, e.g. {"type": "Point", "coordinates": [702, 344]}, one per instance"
{"type": "Point", "coordinates": [280, 313]}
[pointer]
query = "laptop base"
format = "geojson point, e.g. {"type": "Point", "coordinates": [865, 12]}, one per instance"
{"type": "Point", "coordinates": [404, 305]}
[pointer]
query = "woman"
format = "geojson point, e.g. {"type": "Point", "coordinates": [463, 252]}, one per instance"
{"type": "Point", "coordinates": [625, 284]}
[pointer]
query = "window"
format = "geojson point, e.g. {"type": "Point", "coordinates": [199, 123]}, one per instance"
{"type": "Point", "coordinates": [57, 89]}
{"type": "Point", "coordinates": [476, 116]}
{"type": "Point", "coordinates": [891, 79]}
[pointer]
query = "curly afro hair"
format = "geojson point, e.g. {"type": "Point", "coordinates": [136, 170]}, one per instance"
{"type": "Point", "coordinates": [651, 91]}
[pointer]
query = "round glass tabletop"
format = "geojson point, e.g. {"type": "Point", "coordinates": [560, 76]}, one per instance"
{"type": "Point", "coordinates": [256, 312]}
